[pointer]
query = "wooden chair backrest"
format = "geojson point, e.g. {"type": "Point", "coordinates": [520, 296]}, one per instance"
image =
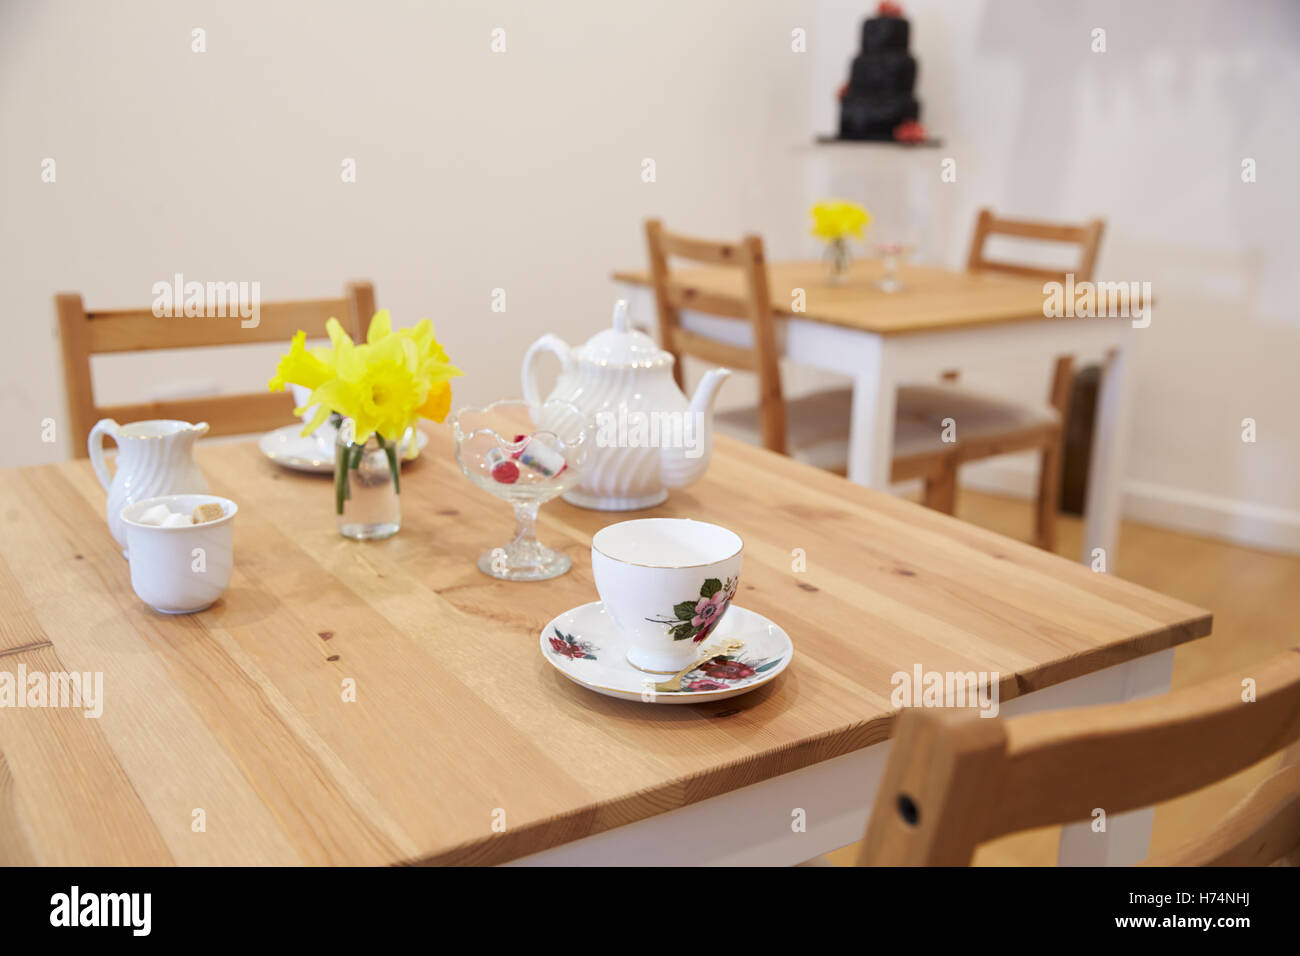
{"type": "Point", "coordinates": [671, 297]}
{"type": "Point", "coordinates": [1087, 237]}
{"type": "Point", "coordinates": [84, 334]}
{"type": "Point", "coordinates": [955, 780]}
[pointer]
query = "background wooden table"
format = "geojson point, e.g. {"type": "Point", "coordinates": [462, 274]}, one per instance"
{"type": "Point", "coordinates": [940, 319]}
{"type": "Point", "coordinates": [931, 298]}
{"type": "Point", "coordinates": [458, 723]}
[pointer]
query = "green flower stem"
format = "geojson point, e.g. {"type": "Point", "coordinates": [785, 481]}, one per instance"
{"type": "Point", "coordinates": [341, 489]}
{"type": "Point", "coordinates": [390, 450]}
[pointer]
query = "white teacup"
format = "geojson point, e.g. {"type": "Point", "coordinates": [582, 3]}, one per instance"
{"type": "Point", "coordinates": [666, 582]}
{"type": "Point", "coordinates": [183, 569]}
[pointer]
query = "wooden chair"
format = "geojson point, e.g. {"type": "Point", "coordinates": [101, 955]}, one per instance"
{"type": "Point", "coordinates": [985, 425]}
{"type": "Point", "coordinates": [670, 298]}
{"type": "Point", "coordinates": [955, 780]}
{"type": "Point", "coordinates": [84, 334]}
{"type": "Point", "coordinates": [1001, 427]}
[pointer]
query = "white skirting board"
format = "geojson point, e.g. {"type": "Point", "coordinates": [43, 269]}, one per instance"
{"type": "Point", "coordinates": [1228, 519]}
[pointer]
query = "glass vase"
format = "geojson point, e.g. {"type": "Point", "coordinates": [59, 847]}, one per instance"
{"type": "Point", "coordinates": [838, 259]}
{"type": "Point", "coordinates": [367, 485]}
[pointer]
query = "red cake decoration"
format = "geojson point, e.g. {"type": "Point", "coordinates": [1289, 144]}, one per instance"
{"type": "Point", "coordinates": [910, 131]}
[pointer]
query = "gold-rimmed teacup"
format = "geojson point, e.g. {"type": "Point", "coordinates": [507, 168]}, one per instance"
{"type": "Point", "coordinates": [666, 582]}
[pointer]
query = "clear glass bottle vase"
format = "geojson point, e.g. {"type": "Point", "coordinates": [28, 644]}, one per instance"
{"type": "Point", "coordinates": [367, 486]}
{"type": "Point", "coordinates": [839, 257]}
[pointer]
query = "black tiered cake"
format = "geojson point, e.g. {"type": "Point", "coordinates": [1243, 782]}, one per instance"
{"type": "Point", "coordinates": [878, 98]}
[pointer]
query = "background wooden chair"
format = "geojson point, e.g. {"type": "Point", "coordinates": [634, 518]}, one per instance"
{"type": "Point", "coordinates": [670, 298]}
{"type": "Point", "coordinates": [1002, 427]}
{"type": "Point", "coordinates": [84, 334]}
{"type": "Point", "coordinates": [986, 425]}
{"type": "Point", "coordinates": [955, 780]}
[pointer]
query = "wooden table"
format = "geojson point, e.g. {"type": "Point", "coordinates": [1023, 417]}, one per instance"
{"type": "Point", "coordinates": [940, 320]}
{"type": "Point", "coordinates": [236, 717]}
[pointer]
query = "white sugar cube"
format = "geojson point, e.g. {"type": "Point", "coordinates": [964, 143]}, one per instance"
{"type": "Point", "coordinates": [155, 515]}
{"type": "Point", "coordinates": [177, 520]}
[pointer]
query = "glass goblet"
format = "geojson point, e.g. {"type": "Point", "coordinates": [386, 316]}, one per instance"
{"type": "Point", "coordinates": [524, 455]}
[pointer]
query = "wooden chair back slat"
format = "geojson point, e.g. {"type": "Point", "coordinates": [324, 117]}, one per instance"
{"type": "Point", "coordinates": [671, 297]}
{"type": "Point", "coordinates": [225, 414]}
{"type": "Point", "coordinates": [955, 780]}
{"type": "Point", "coordinates": [140, 330]}
{"type": "Point", "coordinates": [1086, 236]}
{"type": "Point", "coordinates": [684, 296]}
{"type": "Point", "coordinates": [84, 334]}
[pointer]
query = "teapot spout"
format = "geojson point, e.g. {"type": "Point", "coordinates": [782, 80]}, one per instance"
{"type": "Point", "coordinates": [679, 466]}
{"type": "Point", "coordinates": [707, 392]}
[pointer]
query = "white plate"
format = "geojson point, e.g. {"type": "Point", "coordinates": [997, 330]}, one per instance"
{"type": "Point", "coordinates": [285, 446]}
{"type": "Point", "coordinates": [585, 646]}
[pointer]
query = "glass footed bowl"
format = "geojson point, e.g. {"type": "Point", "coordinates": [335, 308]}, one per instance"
{"type": "Point", "coordinates": [524, 455]}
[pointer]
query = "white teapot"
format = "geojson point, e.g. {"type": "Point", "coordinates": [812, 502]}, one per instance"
{"type": "Point", "coordinates": [648, 436]}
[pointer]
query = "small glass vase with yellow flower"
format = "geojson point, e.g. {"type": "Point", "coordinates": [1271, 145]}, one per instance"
{"type": "Point", "coordinates": [375, 392]}
{"type": "Point", "coordinates": [835, 222]}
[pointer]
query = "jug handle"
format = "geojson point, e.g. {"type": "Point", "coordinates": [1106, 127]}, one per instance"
{"type": "Point", "coordinates": [547, 343]}
{"type": "Point", "coordinates": [95, 445]}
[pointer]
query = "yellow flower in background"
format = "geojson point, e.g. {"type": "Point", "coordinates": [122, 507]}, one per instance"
{"type": "Point", "coordinates": [384, 385]}
{"type": "Point", "coordinates": [838, 219]}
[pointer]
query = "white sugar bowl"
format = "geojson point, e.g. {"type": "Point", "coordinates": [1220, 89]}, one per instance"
{"type": "Point", "coordinates": [181, 568]}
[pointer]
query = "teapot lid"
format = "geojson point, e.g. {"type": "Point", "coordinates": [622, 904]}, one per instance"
{"type": "Point", "coordinates": [622, 344]}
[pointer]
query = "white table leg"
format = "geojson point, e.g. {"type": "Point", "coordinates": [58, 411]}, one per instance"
{"type": "Point", "coordinates": [1105, 471]}
{"type": "Point", "coordinates": [871, 426]}
{"type": "Point", "coordinates": [1126, 839]}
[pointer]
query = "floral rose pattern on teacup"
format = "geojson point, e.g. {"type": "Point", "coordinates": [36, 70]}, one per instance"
{"type": "Point", "coordinates": [725, 672]}
{"type": "Point", "coordinates": [565, 645]}
{"type": "Point", "coordinates": [696, 618]}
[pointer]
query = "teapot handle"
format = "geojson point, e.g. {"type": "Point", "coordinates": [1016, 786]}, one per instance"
{"type": "Point", "coordinates": [547, 343]}
{"type": "Point", "coordinates": [95, 445]}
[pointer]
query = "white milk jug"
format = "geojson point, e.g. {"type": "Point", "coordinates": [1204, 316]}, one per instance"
{"type": "Point", "coordinates": [153, 458]}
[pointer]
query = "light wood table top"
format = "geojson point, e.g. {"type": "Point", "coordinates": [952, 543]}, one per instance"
{"type": "Point", "coordinates": [238, 711]}
{"type": "Point", "coordinates": [931, 298]}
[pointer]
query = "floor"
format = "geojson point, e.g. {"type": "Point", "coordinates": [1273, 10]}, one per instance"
{"type": "Point", "coordinates": [1255, 597]}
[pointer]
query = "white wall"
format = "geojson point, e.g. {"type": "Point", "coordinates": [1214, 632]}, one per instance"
{"type": "Point", "coordinates": [522, 171]}
{"type": "Point", "coordinates": [476, 170]}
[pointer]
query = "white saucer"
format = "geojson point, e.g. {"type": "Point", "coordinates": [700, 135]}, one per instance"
{"type": "Point", "coordinates": [585, 646]}
{"type": "Point", "coordinates": [285, 446]}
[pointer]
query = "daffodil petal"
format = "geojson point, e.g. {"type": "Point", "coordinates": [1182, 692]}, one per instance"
{"type": "Point", "coordinates": [381, 326]}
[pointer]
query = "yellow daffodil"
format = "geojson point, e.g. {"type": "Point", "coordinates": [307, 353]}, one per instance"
{"type": "Point", "coordinates": [839, 219]}
{"type": "Point", "coordinates": [384, 385]}
{"type": "Point", "coordinates": [301, 367]}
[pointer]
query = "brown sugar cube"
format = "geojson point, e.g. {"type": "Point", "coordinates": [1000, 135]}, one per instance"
{"type": "Point", "coordinates": [209, 511]}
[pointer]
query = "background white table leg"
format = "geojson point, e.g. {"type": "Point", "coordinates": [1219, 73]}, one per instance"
{"type": "Point", "coordinates": [1127, 837]}
{"type": "Point", "coordinates": [871, 427]}
{"type": "Point", "coordinates": [1105, 471]}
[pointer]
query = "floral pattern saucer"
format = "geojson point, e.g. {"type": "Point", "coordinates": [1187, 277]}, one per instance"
{"type": "Point", "coordinates": [587, 647]}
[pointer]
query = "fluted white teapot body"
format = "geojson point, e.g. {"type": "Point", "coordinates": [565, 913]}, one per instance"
{"type": "Point", "coordinates": [649, 436]}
